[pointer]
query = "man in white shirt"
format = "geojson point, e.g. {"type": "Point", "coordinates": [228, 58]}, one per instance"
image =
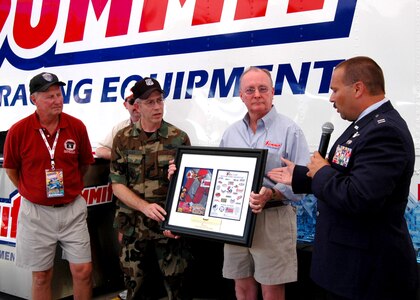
{"type": "Point", "coordinates": [104, 147]}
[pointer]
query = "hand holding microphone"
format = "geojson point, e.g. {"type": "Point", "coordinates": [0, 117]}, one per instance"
{"type": "Point", "coordinates": [318, 160]}
{"type": "Point", "coordinates": [327, 129]}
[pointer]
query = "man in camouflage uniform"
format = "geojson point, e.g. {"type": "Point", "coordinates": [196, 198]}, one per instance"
{"type": "Point", "coordinates": [139, 163]}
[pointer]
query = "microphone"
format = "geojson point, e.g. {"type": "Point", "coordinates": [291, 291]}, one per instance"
{"type": "Point", "coordinates": [327, 129]}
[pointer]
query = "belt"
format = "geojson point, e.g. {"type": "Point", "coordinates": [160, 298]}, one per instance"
{"type": "Point", "coordinates": [59, 205]}
{"type": "Point", "coordinates": [274, 203]}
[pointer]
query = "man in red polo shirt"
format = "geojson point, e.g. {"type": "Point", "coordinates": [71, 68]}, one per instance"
{"type": "Point", "coordinates": [45, 156]}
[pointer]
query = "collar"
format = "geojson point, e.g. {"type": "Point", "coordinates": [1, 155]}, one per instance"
{"type": "Point", "coordinates": [266, 120]}
{"type": "Point", "coordinates": [371, 108]}
{"type": "Point", "coordinates": [162, 131]}
{"type": "Point", "coordinates": [62, 123]}
{"type": "Point", "coordinates": [383, 107]}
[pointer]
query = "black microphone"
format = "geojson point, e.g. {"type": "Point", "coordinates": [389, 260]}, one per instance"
{"type": "Point", "coordinates": [327, 129]}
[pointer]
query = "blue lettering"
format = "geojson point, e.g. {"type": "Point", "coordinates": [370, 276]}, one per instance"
{"type": "Point", "coordinates": [20, 95]}
{"type": "Point", "coordinates": [192, 83]}
{"type": "Point", "coordinates": [222, 83]}
{"type": "Point", "coordinates": [167, 83]}
{"type": "Point", "coordinates": [224, 88]}
{"type": "Point", "coordinates": [87, 92]}
{"type": "Point", "coordinates": [131, 80]}
{"type": "Point", "coordinates": [6, 255]}
{"type": "Point", "coordinates": [285, 71]}
{"type": "Point", "coordinates": [107, 88]}
{"type": "Point", "coordinates": [66, 91]}
{"type": "Point", "coordinates": [5, 91]}
{"type": "Point", "coordinates": [178, 85]}
{"type": "Point", "coordinates": [328, 67]}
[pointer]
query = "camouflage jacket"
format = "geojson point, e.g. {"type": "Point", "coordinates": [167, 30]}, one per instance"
{"type": "Point", "coordinates": [141, 163]}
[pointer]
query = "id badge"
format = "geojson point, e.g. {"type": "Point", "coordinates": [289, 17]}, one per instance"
{"type": "Point", "coordinates": [54, 183]}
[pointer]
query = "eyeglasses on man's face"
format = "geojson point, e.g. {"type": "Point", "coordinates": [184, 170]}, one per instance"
{"type": "Point", "coordinates": [152, 102]}
{"type": "Point", "coordinates": [261, 89]}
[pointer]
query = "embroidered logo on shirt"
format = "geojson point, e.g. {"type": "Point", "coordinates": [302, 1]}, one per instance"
{"type": "Point", "coordinates": [272, 145]}
{"type": "Point", "coordinates": [70, 146]}
{"type": "Point", "coordinates": [342, 155]}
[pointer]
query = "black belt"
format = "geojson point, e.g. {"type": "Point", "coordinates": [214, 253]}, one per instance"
{"type": "Point", "coordinates": [274, 203]}
{"type": "Point", "coordinates": [59, 205]}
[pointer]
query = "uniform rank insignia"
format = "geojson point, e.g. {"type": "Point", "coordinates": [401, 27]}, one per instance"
{"type": "Point", "coordinates": [342, 155]}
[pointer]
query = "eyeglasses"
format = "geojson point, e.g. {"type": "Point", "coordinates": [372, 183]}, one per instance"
{"type": "Point", "coordinates": [261, 89]}
{"type": "Point", "coordinates": [152, 102]}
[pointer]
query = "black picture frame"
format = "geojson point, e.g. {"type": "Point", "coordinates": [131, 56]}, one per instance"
{"type": "Point", "coordinates": [208, 195]}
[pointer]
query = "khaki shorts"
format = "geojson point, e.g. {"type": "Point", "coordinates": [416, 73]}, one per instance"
{"type": "Point", "coordinates": [272, 258]}
{"type": "Point", "coordinates": [41, 227]}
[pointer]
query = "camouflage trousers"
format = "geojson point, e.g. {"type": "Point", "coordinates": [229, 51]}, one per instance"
{"type": "Point", "coordinates": [138, 259]}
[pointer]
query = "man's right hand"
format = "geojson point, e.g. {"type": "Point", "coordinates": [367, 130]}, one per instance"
{"type": "Point", "coordinates": [154, 211]}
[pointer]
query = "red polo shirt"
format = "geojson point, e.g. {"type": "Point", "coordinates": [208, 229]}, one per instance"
{"type": "Point", "coordinates": [25, 150]}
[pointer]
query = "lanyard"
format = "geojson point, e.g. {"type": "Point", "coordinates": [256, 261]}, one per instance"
{"type": "Point", "coordinates": [51, 151]}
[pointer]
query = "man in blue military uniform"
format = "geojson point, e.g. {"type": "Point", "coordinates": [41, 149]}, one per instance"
{"type": "Point", "coordinates": [362, 248]}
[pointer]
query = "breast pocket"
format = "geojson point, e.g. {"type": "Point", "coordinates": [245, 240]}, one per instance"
{"type": "Point", "coordinates": [135, 166]}
{"type": "Point", "coordinates": [163, 158]}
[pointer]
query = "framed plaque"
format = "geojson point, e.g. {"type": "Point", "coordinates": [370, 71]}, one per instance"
{"type": "Point", "coordinates": [209, 193]}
